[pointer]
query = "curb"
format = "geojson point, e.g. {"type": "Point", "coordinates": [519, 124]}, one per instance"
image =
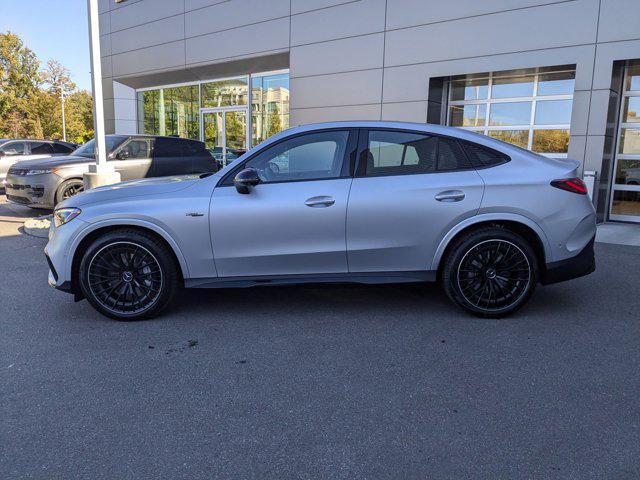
{"type": "Point", "coordinates": [38, 227]}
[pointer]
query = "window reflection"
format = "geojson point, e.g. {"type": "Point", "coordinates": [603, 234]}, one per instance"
{"type": "Point", "coordinates": [632, 82]}
{"type": "Point", "coordinates": [512, 87]}
{"type": "Point", "coordinates": [626, 203]}
{"type": "Point", "coordinates": [171, 111]}
{"type": "Point", "coordinates": [511, 113]}
{"type": "Point", "coordinates": [269, 106]}
{"type": "Point", "coordinates": [225, 93]}
{"type": "Point", "coordinates": [630, 141]}
{"type": "Point", "coordinates": [525, 100]}
{"type": "Point", "coordinates": [628, 172]}
{"type": "Point", "coordinates": [469, 115]}
{"type": "Point", "coordinates": [517, 137]}
{"type": "Point", "coordinates": [553, 112]}
{"type": "Point", "coordinates": [631, 112]}
{"type": "Point", "coordinates": [550, 141]}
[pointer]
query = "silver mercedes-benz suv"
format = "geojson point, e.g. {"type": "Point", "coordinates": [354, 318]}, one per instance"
{"type": "Point", "coordinates": [367, 202]}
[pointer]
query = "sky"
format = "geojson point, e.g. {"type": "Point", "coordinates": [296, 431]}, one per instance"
{"type": "Point", "coordinates": [53, 29]}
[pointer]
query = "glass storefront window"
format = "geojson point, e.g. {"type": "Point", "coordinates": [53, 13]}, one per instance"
{"type": "Point", "coordinates": [469, 115]}
{"type": "Point", "coordinates": [512, 87]}
{"type": "Point", "coordinates": [225, 93]}
{"type": "Point", "coordinates": [269, 106]}
{"type": "Point", "coordinates": [510, 113]}
{"type": "Point", "coordinates": [632, 82]}
{"type": "Point", "coordinates": [533, 106]}
{"type": "Point", "coordinates": [630, 141]}
{"type": "Point", "coordinates": [553, 112]}
{"type": "Point", "coordinates": [171, 111]}
{"type": "Point", "coordinates": [470, 89]}
{"type": "Point", "coordinates": [177, 110]}
{"type": "Point", "coordinates": [560, 83]}
{"type": "Point", "coordinates": [550, 141]}
{"type": "Point", "coordinates": [631, 110]}
{"type": "Point", "coordinates": [628, 172]}
{"type": "Point", "coordinates": [517, 137]}
{"type": "Point", "coordinates": [626, 203]}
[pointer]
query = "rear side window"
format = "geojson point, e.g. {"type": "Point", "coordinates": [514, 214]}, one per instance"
{"type": "Point", "coordinates": [483, 157]}
{"type": "Point", "coordinates": [171, 147]}
{"type": "Point", "coordinates": [41, 148]}
{"type": "Point", "coordinates": [398, 153]}
{"type": "Point", "coordinates": [59, 148]}
{"type": "Point", "coordinates": [172, 156]}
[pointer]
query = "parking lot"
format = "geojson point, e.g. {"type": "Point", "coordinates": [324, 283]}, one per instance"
{"type": "Point", "coordinates": [319, 382]}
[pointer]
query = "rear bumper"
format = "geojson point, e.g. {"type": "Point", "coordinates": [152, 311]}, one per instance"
{"type": "Point", "coordinates": [580, 265]}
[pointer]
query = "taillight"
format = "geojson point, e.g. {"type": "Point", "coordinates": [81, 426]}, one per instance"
{"type": "Point", "coordinates": [574, 185]}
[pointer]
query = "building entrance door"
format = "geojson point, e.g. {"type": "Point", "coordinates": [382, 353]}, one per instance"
{"type": "Point", "coordinates": [224, 132]}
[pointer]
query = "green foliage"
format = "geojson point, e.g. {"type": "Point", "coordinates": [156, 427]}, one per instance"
{"type": "Point", "coordinates": [30, 99]}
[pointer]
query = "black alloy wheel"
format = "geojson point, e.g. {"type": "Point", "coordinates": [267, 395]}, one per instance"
{"type": "Point", "coordinates": [128, 274]}
{"type": "Point", "coordinates": [491, 272]}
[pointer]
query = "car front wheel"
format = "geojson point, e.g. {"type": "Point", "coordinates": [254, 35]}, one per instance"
{"type": "Point", "coordinates": [491, 272]}
{"type": "Point", "coordinates": [128, 275]}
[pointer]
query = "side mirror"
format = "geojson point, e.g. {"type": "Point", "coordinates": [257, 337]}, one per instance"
{"type": "Point", "coordinates": [245, 179]}
{"type": "Point", "coordinates": [123, 154]}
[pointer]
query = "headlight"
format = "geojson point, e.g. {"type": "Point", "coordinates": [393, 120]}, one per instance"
{"type": "Point", "coordinates": [65, 215]}
{"type": "Point", "coordinates": [42, 171]}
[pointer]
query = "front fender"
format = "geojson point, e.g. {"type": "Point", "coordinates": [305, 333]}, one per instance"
{"type": "Point", "coordinates": [488, 217]}
{"type": "Point", "coordinates": [126, 222]}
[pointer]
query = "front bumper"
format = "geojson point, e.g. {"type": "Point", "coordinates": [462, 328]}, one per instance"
{"type": "Point", "coordinates": [580, 265]}
{"type": "Point", "coordinates": [59, 256]}
{"type": "Point", "coordinates": [36, 191]}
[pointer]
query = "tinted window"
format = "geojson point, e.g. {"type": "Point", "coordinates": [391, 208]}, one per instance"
{"type": "Point", "coordinates": [393, 153]}
{"type": "Point", "coordinates": [13, 148]}
{"type": "Point", "coordinates": [307, 157]}
{"type": "Point", "coordinates": [59, 148]}
{"type": "Point", "coordinates": [41, 148]}
{"type": "Point", "coordinates": [483, 156]}
{"type": "Point", "coordinates": [451, 156]}
{"type": "Point", "coordinates": [171, 147]}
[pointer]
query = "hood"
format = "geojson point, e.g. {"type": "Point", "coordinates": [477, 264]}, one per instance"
{"type": "Point", "coordinates": [132, 188]}
{"type": "Point", "coordinates": [53, 162]}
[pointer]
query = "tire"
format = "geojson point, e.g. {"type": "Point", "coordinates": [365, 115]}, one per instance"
{"type": "Point", "coordinates": [129, 275]}
{"type": "Point", "coordinates": [491, 272]}
{"type": "Point", "coordinates": [68, 189]}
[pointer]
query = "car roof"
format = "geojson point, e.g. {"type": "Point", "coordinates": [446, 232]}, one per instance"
{"type": "Point", "coordinates": [146, 135]}
{"type": "Point", "coordinates": [431, 128]}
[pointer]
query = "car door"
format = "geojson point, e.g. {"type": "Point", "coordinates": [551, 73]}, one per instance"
{"type": "Point", "coordinates": [410, 189]}
{"type": "Point", "coordinates": [10, 153]}
{"type": "Point", "coordinates": [293, 221]}
{"type": "Point", "coordinates": [132, 158]}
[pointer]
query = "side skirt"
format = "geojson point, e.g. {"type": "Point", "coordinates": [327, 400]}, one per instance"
{"type": "Point", "coordinates": [364, 277]}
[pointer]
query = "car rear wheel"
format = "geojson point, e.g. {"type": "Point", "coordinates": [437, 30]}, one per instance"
{"type": "Point", "coordinates": [68, 189]}
{"type": "Point", "coordinates": [128, 275]}
{"type": "Point", "coordinates": [491, 272]}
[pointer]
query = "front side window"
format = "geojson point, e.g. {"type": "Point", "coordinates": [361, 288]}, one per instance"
{"type": "Point", "coordinates": [89, 149]}
{"type": "Point", "coordinates": [13, 148]}
{"type": "Point", "coordinates": [530, 108]}
{"type": "Point", "coordinates": [41, 148]}
{"type": "Point", "coordinates": [401, 153]}
{"type": "Point", "coordinates": [314, 156]}
{"type": "Point", "coordinates": [135, 149]}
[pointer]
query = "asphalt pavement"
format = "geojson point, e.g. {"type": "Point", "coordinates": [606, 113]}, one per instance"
{"type": "Point", "coordinates": [331, 382]}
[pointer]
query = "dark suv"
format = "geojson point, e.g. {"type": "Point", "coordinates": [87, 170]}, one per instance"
{"type": "Point", "coordinates": [44, 183]}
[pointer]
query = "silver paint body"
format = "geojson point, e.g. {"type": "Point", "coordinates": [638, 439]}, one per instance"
{"type": "Point", "coordinates": [375, 225]}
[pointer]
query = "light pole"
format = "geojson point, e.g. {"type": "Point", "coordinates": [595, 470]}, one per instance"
{"type": "Point", "coordinates": [101, 172]}
{"type": "Point", "coordinates": [64, 126]}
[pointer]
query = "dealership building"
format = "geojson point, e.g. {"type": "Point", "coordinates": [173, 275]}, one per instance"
{"type": "Point", "coordinates": [561, 78]}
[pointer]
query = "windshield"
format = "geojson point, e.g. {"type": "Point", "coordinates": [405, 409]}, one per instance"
{"type": "Point", "coordinates": [89, 149]}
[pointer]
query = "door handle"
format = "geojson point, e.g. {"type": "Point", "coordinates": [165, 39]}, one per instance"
{"type": "Point", "coordinates": [320, 202]}
{"type": "Point", "coordinates": [450, 196]}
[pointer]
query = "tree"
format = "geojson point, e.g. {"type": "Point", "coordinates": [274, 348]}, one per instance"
{"type": "Point", "coordinates": [30, 100]}
{"type": "Point", "coordinates": [275, 123]}
{"type": "Point", "coordinates": [19, 82]}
